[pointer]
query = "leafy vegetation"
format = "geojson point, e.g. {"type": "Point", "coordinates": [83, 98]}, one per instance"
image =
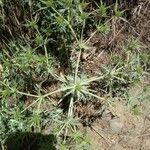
{"type": "Point", "coordinates": [41, 73]}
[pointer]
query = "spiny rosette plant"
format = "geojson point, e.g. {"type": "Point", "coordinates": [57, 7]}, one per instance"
{"type": "Point", "coordinates": [41, 43]}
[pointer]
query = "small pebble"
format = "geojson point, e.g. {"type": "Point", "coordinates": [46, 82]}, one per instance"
{"type": "Point", "coordinates": [116, 125]}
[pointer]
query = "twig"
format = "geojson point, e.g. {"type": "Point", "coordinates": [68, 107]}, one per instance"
{"type": "Point", "coordinates": [102, 136]}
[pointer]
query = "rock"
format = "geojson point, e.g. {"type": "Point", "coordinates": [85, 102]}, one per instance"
{"type": "Point", "coordinates": [116, 125]}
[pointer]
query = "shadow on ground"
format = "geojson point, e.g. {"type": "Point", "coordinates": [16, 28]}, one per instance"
{"type": "Point", "coordinates": [30, 141]}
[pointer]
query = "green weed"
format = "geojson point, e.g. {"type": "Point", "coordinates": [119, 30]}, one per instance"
{"type": "Point", "coordinates": [39, 39]}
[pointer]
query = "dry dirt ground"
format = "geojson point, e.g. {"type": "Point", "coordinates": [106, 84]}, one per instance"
{"type": "Point", "coordinates": [123, 131]}
{"type": "Point", "coordinates": [118, 128]}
